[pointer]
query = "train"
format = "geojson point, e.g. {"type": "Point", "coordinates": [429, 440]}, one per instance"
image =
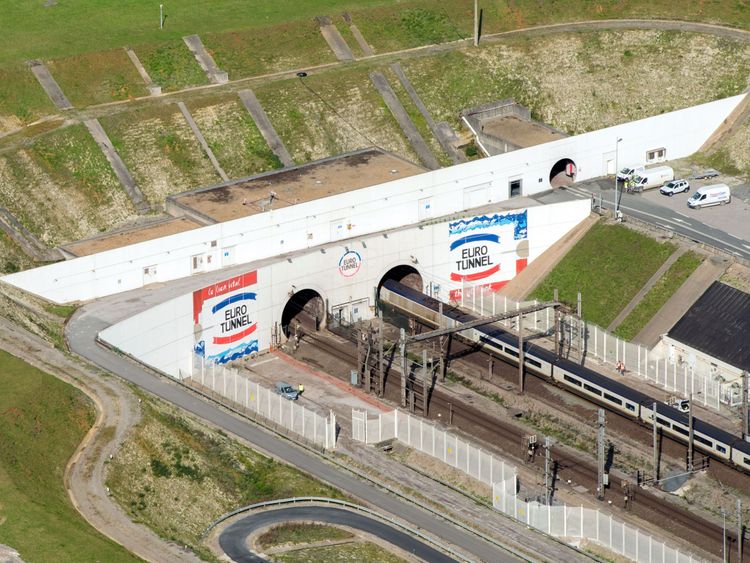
{"type": "Point", "coordinates": [585, 382]}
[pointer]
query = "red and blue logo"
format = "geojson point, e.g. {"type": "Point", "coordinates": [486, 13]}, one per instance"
{"type": "Point", "coordinates": [473, 257]}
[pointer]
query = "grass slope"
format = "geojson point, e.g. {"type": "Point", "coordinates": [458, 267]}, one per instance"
{"type": "Point", "coordinates": [294, 533]}
{"type": "Point", "coordinates": [346, 553]}
{"type": "Point", "coordinates": [43, 421]}
{"type": "Point", "coordinates": [177, 476]}
{"type": "Point", "coordinates": [658, 295]}
{"type": "Point", "coordinates": [609, 265]}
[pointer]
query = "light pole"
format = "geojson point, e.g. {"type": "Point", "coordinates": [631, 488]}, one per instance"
{"type": "Point", "coordinates": [617, 171]}
{"type": "Point", "coordinates": [724, 538]}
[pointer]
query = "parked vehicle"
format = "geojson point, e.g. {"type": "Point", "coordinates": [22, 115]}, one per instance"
{"type": "Point", "coordinates": [652, 178]}
{"type": "Point", "coordinates": [287, 391]}
{"type": "Point", "coordinates": [675, 187]}
{"type": "Point", "coordinates": [715, 194]}
{"type": "Point", "coordinates": [707, 173]}
{"type": "Point", "coordinates": [629, 171]}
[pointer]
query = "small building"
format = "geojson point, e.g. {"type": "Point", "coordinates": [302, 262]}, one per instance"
{"type": "Point", "coordinates": [714, 335]}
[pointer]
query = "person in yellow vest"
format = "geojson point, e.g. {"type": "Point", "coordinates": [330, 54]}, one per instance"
{"type": "Point", "coordinates": [301, 388]}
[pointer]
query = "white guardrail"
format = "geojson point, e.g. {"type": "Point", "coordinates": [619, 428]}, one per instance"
{"type": "Point", "coordinates": [345, 504]}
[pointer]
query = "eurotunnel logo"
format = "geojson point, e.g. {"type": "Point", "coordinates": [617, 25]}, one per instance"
{"type": "Point", "coordinates": [223, 315]}
{"type": "Point", "coordinates": [350, 263]}
{"type": "Point", "coordinates": [485, 248]}
{"type": "Point", "coordinates": [234, 317]}
{"type": "Point", "coordinates": [474, 261]}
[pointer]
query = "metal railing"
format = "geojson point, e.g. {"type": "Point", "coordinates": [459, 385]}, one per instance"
{"type": "Point", "coordinates": [343, 503]}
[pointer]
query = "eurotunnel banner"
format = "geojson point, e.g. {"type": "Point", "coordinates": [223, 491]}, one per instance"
{"type": "Point", "coordinates": [488, 250]}
{"type": "Point", "coordinates": [225, 319]}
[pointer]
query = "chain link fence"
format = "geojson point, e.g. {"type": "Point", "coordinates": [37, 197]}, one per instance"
{"type": "Point", "coordinates": [561, 521]}
{"type": "Point", "coordinates": [581, 341]}
{"type": "Point", "coordinates": [235, 390]}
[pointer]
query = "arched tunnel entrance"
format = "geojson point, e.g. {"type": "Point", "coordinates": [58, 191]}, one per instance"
{"type": "Point", "coordinates": [305, 307]}
{"type": "Point", "coordinates": [563, 173]}
{"type": "Point", "coordinates": [407, 275]}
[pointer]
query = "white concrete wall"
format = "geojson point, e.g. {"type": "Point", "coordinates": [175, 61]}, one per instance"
{"type": "Point", "coordinates": [358, 213]}
{"type": "Point", "coordinates": [165, 336]}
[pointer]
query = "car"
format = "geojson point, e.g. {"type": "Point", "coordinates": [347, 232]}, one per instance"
{"type": "Point", "coordinates": [675, 187]}
{"type": "Point", "coordinates": [287, 391]}
{"type": "Point", "coordinates": [707, 173]}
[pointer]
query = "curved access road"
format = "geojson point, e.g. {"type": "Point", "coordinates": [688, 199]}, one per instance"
{"type": "Point", "coordinates": [233, 540]}
{"type": "Point", "coordinates": [81, 332]}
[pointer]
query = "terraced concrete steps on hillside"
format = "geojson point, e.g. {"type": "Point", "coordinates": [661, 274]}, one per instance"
{"type": "Point", "coordinates": [31, 245]}
{"type": "Point", "coordinates": [202, 140]}
{"type": "Point", "coordinates": [334, 39]}
{"type": "Point", "coordinates": [673, 310]}
{"type": "Point", "coordinates": [153, 89]}
{"type": "Point", "coordinates": [118, 166]}
{"type": "Point", "coordinates": [646, 288]}
{"type": "Point", "coordinates": [438, 132]}
{"type": "Point", "coordinates": [407, 125]}
{"type": "Point", "coordinates": [213, 72]}
{"type": "Point", "coordinates": [265, 127]}
{"type": "Point", "coordinates": [361, 41]}
{"type": "Point", "coordinates": [50, 85]}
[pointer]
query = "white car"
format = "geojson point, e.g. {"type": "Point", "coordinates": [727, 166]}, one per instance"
{"type": "Point", "coordinates": [675, 187]}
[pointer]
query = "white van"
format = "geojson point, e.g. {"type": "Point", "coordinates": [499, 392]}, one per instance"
{"type": "Point", "coordinates": [629, 171]}
{"type": "Point", "coordinates": [710, 195]}
{"type": "Point", "coordinates": [652, 178]}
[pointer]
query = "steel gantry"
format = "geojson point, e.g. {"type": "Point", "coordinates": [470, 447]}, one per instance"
{"type": "Point", "coordinates": [405, 340]}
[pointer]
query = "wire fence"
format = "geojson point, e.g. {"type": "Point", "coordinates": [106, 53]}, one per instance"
{"type": "Point", "coordinates": [582, 341]}
{"type": "Point", "coordinates": [561, 521]}
{"type": "Point", "coordinates": [237, 391]}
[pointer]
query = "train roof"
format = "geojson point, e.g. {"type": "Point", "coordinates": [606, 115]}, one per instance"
{"type": "Point", "coordinates": [590, 375]}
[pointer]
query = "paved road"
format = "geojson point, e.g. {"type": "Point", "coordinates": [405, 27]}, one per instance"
{"type": "Point", "coordinates": [669, 215]}
{"type": "Point", "coordinates": [91, 319]}
{"type": "Point", "coordinates": [233, 539]}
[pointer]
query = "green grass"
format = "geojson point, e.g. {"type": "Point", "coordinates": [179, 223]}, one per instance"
{"type": "Point", "coordinates": [609, 265]}
{"type": "Point", "coordinates": [281, 47]}
{"type": "Point", "coordinates": [21, 96]}
{"type": "Point", "coordinates": [450, 82]}
{"type": "Point", "coordinates": [12, 257]}
{"type": "Point", "coordinates": [292, 533]}
{"type": "Point", "coordinates": [177, 476]}
{"type": "Point", "coordinates": [171, 65]}
{"type": "Point", "coordinates": [350, 552]}
{"type": "Point", "coordinates": [43, 421]}
{"type": "Point", "coordinates": [97, 78]}
{"type": "Point", "coordinates": [658, 295]}
{"type": "Point", "coordinates": [341, 111]}
{"type": "Point", "coordinates": [233, 136]}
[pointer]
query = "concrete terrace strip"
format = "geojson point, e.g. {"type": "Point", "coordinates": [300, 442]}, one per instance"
{"type": "Point", "coordinates": [153, 89]}
{"type": "Point", "coordinates": [646, 288]}
{"type": "Point", "coordinates": [437, 131]}
{"type": "Point", "coordinates": [265, 127]}
{"type": "Point", "coordinates": [407, 125]}
{"type": "Point", "coordinates": [214, 73]}
{"type": "Point", "coordinates": [202, 141]}
{"type": "Point", "coordinates": [118, 166]}
{"type": "Point", "coordinates": [363, 44]}
{"type": "Point", "coordinates": [673, 310]}
{"type": "Point", "coordinates": [25, 239]}
{"type": "Point", "coordinates": [50, 85]}
{"type": "Point", "coordinates": [334, 39]}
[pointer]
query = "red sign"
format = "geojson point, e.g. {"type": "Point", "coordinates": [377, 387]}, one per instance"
{"type": "Point", "coordinates": [221, 288]}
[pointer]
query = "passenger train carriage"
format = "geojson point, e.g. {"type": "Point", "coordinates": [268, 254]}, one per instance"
{"type": "Point", "coordinates": [614, 395]}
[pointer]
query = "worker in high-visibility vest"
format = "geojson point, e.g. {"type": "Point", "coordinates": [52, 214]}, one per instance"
{"type": "Point", "coordinates": [301, 388]}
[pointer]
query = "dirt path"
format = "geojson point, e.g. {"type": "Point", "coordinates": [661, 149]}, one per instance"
{"type": "Point", "coordinates": [117, 412]}
{"type": "Point", "coordinates": [393, 56]}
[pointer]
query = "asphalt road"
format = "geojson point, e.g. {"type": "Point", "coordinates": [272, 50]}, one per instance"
{"type": "Point", "coordinates": [671, 214]}
{"type": "Point", "coordinates": [89, 320]}
{"type": "Point", "coordinates": [233, 539]}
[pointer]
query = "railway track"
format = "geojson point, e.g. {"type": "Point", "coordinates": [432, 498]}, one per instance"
{"type": "Point", "coordinates": [570, 464]}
